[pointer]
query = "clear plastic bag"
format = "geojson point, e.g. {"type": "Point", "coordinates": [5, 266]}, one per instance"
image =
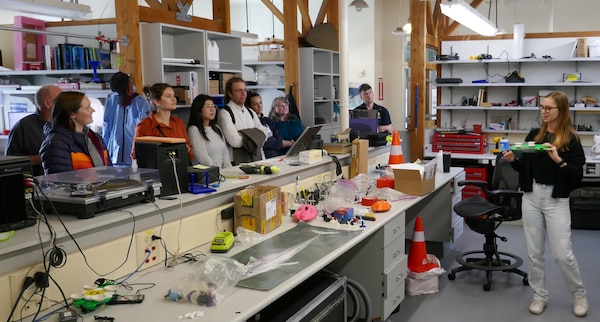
{"type": "Point", "coordinates": [244, 235]}
{"type": "Point", "coordinates": [210, 281]}
{"type": "Point", "coordinates": [342, 194]}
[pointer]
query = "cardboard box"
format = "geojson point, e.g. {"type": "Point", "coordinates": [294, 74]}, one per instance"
{"type": "Point", "coordinates": [213, 85]}
{"type": "Point", "coordinates": [258, 209]}
{"type": "Point", "coordinates": [270, 55]}
{"type": "Point", "coordinates": [359, 157]}
{"type": "Point", "coordinates": [582, 47]}
{"type": "Point", "coordinates": [411, 182]}
{"type": "Point", "coordinates": [337, 148]}
{"type": "Point", "coordinates": [310, 156]}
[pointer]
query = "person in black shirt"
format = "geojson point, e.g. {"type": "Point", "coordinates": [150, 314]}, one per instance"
{"type": "Point", "coordinates": [384, 121]}
{"type": "Point", "coordinates": [27, 134]}
{"type": "Point", "coordinates": [547, 178]}
{"type": "Point", "coordinates": [273, 144]}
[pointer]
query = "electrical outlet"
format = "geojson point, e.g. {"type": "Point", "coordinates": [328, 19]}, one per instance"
{"type": "Point", "coordinates": [25, 308]}
{"type": "Point", "coordinates": [145, 243]}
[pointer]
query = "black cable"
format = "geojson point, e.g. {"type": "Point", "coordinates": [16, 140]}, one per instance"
{"type": "Point", "coordinates": [77, 244]}
{"type": "Point", "coordinates": [273, 22]}
{"type": "Point", "coordinates": [247, 29]}
{"type": "Point", "coordinates": [26, 284]}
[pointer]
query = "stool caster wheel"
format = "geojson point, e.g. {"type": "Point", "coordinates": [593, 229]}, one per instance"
{"type": "Point", "coordinates": [487, 287]}
{"type": "Point", "coordinates": [451, 276]}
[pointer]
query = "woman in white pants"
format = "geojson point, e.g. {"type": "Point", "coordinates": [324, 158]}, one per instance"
{"type": "Point", "coordinates": [547, 178]}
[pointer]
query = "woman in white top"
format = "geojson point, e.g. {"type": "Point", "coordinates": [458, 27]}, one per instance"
{"type": "Point", "coordinates": [205, 135]}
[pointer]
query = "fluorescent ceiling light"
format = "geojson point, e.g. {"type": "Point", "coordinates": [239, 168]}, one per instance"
{"type": "Point", "coordinates": [55, 8]}
{"type": "Point", "coordinates": [467, 16]}
{"type": "Point", "coordinates": [359, 4]}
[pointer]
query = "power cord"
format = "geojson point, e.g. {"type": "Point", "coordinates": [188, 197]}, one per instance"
{"type": "Point", "coordinates": [26, 284]}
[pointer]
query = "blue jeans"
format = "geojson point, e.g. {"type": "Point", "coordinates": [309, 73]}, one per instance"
{"type": "Point", "coordinates": [543, 215]}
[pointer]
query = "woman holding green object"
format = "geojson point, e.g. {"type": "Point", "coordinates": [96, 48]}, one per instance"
{"type": "Point", "coordinates": [547, 178]}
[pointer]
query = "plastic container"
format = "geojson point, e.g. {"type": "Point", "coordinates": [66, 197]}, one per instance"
{"type": "Point", "coordinates": [504, 145]}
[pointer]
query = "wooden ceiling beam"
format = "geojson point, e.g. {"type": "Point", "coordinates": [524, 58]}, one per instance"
{"type": "Point", "coordinates": [276, 11]}
{"type": "Point", "coordinates": [322, 12]}
{"type": "Point", "coordinates": [158, 15]}
{"type": "Point", "coordinates": [290, 47]}
{"type": "Point", "coordinates": [221, 13]}
{"type": "Point", "coordinates": [127, 16]}
{"type": "Point", "coordinates": [333, 15]}
{"type": "Point", "coordinates": [305, 15]}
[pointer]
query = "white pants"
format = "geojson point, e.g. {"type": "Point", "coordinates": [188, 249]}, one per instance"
{"type": "Point", "coordinates": [543, 214]}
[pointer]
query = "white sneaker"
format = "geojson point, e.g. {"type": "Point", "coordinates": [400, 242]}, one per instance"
{"type": "Point", "coordinates": [580, 307]}
{"type": "Point", "coordinates": [537, 307]}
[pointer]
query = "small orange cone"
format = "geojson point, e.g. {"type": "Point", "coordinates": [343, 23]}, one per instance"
{"type": "Point", "coordinates": [417, 255]}
{"type": "Point", "coordinates": [396, 156]}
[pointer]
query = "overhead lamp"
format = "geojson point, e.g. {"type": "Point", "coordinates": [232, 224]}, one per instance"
{"type": "Point", "coordinates": [467, 16]}
{"type": "Point", "coordinates": [55, 8]}
{"type": "Point", "coordinates": [404, 30]}
{"type": "Point", "coordinates": [358, 5]}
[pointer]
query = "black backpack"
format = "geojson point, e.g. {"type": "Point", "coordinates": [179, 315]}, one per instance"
{"type": "Point", "coordinates": [228, 109]}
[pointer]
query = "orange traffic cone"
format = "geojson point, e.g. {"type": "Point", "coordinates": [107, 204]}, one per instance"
{"type": "Point", "coordinates": [396, 156]}
{"type": "Point", "coordinates": [417, 255]}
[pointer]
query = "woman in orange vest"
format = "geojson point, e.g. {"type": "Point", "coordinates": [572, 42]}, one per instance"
{"type": "Point", "coordinates": [69, 143]}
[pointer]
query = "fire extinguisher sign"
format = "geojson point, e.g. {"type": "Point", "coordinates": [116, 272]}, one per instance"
{"type": "Point", "coordinates": [380, 87]}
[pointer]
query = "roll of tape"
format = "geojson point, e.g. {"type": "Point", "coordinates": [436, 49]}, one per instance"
{"type": "Point", "coordinates": [367, 201]}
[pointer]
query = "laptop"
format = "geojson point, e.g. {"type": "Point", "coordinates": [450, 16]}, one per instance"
{"type": "Point", "coordinates": [304, 140]}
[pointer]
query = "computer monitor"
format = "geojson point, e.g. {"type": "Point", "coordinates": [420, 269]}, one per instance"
{"type": "Point", "coordinates": [363, 125]}
{"type": "Point", "coordinates": [14, 117]}
{"type": "Point", "coordinates": [304, 140]}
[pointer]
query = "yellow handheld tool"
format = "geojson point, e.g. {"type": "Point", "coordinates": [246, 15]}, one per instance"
{"type": "Point", "coordinates": [497, 149]}
{"type": "Point", "coordinates": [222, 242]}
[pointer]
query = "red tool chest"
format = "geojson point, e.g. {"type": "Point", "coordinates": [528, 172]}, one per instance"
{"type": "Point", "coordinates": [482, 173]}
{"type": "Point", "coordinates": [476, 173]}
{"type": "Point", "coordinates": [460, 143]}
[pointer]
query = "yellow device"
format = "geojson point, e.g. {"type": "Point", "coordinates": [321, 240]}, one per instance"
{"type": "Point", "coordinates": [222, 242]}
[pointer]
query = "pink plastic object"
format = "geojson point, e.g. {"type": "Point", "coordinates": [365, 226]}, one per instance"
{"type": "Point", "coordinates": [306, 212]}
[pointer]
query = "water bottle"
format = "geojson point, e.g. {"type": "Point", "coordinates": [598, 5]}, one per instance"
{"type": "Point", "coordinates": [504, 145]}
{"type": "Point", "coordinates": [439, 158]}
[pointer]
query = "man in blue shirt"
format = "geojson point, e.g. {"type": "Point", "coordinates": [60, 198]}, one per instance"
{"type": "Point", "coordinates": [384, 122]}
{"type": "Point", "coordinates": [123, 111]}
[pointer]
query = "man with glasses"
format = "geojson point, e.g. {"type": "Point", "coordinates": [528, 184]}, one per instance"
{"type": "Point", "coordinates": [241, 127]}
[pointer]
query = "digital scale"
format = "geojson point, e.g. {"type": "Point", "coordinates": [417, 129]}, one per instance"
{"type": "Point", "coordinates": [87, 192]}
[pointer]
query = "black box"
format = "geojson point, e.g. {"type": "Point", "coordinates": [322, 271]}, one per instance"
{"type": "Point", "coordinates": [161, 156]}
{"type": "Point", "coordinates": [200, 174]}
{"type": "Point", "coordinates": [15, 211]}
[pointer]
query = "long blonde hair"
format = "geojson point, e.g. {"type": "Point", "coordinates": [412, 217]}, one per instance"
{"type": "Point", "coordinates": [564, 128]}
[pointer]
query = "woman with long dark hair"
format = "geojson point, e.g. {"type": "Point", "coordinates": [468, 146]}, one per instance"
{"type": "Point", "coordinates": [205, 135]}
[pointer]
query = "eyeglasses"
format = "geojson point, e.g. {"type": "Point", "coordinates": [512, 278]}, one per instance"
{"type": "Point", "coordinates": [547, 109]}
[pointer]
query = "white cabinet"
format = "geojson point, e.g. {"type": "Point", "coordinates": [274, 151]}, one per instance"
{"type": "Point", "coordinates": [383, 264]}
{"type": "Point", "coordinates": [261, 75]}
{"type": "Point", "coordinates": [174, 55]}
{"type": "Point", "coordinates": [319, 77]}
{"type": "Point", "coordinates": [517, 102]}
{"type": "Point", "coordinates": [180, 56]}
